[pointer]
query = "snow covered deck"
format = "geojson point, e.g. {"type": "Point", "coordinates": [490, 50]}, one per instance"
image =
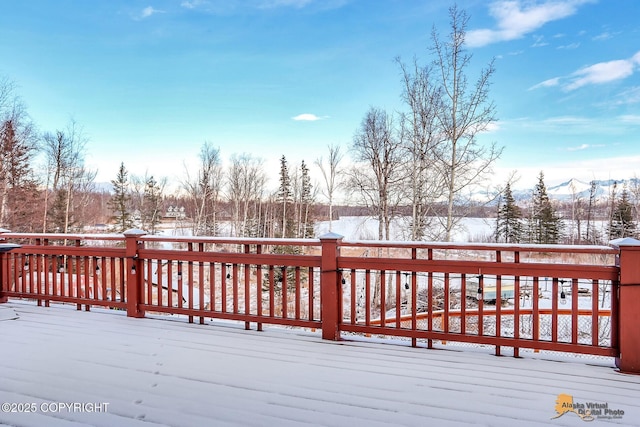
{"type": "Point", "coordinates": [149, 372]}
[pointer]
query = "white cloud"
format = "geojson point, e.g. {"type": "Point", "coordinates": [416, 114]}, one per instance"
{"type": "Point", "coordinates": [602, 72]}
{"type": "Point", "coordinates": [516, 18]}
{"type": "Point", "coordinates": [547, 83]}
{"type": "Point", "coordinates": [492, 127]}
{"type": "Point", "coordinates": [566, 121]}
{"type": "Point", "coordinates": [271, 4]}
{"type": "Point", "coordinates": [307, 117]}
{"type": "Point", "coordinates": [603, 36]}
{"type": "Point", "coordinates": [631, 119]}
{"type": "Point", "coordinates": [569, 46]}
{"type": "Point", "coordinates": [148, 11]}
{"type": "Point", "coordinates": [539, 41]}
{"type": "Point", "coordinates": [228, 7]}
{"type": "Point", "coordinates": [585, 147]}
{"type": "Point", "coordinates": [192, 4]}
{"type": "Point", "coordinates": [629, 96]}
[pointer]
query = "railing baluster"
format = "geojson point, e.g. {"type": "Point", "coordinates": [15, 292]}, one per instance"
{"type": "Point", "coordinates": [536, 311]}
{"type": "Point", "coordinates": [595, 313]}
{"type": "Point", "coordinates": [554, 310]}
{"type": "Point", "coordinates": [272, 304]}
{"type": "Point", "coordinates": [463, 303]}
{"type": "Point", "coordinates": [516, 306]}
{"type": "Point", "coordinates": [398, 300]}
{"type": "Point", "coordinates": [445, 290]}
{"type": "Point", "coordinates": [247, 288]}
{"type": "Point", "coordinates": [574, 311]}
{"type": "Point", "coordinates": [297, 294]}
{"type": "Point", "coordinates": [368, 302]}
{"type": "Point", "coordinates": [382, 277]}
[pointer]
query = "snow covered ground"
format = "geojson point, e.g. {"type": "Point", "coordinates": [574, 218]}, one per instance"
{"type": "Point", "coordinates": [366, 228]}
{"type": "Point", "coordinates": [152, 372]}
{"type": "Point", "coordinates": [469, 229]}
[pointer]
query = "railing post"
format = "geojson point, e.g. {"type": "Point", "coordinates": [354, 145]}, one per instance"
{"type": "Point", "coordinates": [4, 270]}
{"type": "Point", "coordinates": [628, 305]}
{"type": "Point", "coordinates": [329, 287]}
{"type": "Point", "coordinates": [4, 277]}
{"type": "Point", "coordinates": [135, 275]}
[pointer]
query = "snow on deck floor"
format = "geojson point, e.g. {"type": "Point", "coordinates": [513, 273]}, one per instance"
{"type": "Point", "coordinates": [154, 372]}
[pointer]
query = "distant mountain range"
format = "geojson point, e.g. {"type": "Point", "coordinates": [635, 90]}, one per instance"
{"type": "Point", "coordinates": [574, 188]}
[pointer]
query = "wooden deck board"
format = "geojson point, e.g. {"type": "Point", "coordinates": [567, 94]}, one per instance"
{"type": "Point", "coordinates": [159, 372]}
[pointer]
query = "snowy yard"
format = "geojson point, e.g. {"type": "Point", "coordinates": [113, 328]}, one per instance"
{"type": "Point", "coordinates": [153, 372]}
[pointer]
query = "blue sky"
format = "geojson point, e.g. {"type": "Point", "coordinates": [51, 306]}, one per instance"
{"type": "Point", "coordinates": [150, 81]}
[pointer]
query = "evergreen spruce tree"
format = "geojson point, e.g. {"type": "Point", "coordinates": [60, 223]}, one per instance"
{"type": "Point", "coordinates": [591, 234]}
{"type": "Point", "coordinates": [306, 203]}
{"type": "Point", "coordinates": [622, 224]}
{"type": "Point", "coordinates": [119, 202]}
{"type": "Point", "coordinates": [284, 199]}
{"type": "Point", "coordinates": [509, 221]}
{"type": "Point", "coordinates": [58, 213]}
{"type": "Point", "coordinates": [545, 225]}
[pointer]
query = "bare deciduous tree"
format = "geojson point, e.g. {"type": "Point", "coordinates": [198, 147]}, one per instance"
{"type": "Point", "coordinates": [425, 184]}
{"type": "Point", "coordinates": [204, 190]}
{"type": "Point", "coordinates": [465, 111]}
{"type": "Point", "coordinates": [66, 172]}
{"type": "Point", "coordinates": [377, 176]}
{"type": "Point", "coordinates": [245, 190]}
{"type": "Point", "coordinates": [330, 174]}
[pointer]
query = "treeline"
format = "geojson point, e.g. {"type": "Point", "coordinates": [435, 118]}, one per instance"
{"type": "Point", "coordinates": [214, 201]}
{"type": "Point", "coordinates": [540, 220]}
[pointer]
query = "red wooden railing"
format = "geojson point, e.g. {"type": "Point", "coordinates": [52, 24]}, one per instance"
{"type": "Point", "coordinates": [423, 293]}
{"type": "Point", "coordinates": [581, 299]}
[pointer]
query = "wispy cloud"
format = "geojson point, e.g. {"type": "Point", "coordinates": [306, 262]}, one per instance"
{"type": "Point", "coordinates": [149, 11]}
{"type": "Point", "coordinates": [573, 126]}
{"type": "Point", "coordinates": [192, 4]}
{"type": "Point", "coordinates": [272, 4]}
{"type": "Point", "coordinates": [602, 72]}
{"type": "Point", "coordinates": [584, 147]}
{"type": "Point", "coordinates": [547, 83]}
{"type": "Point", "coordinates": [629, 96]}
{"type": "Point", "coordinates": [226, 7]}
{"type": "Point", "coordinates": [602, 36]}
{"type": "Point", "coordinates": [630, 119]}
{"type": "Point", "coordinates": [516, 18]}
{"type": "Point", "coordinates": [569, 46]}
{"type": "Point", "coordinates": [307, 117]}
{"type": "Point", "coordinates": [491, 127]}
{"type": "Point", "coordinates": [538, 41]}
{"type": "Point", "coordinates": [566, 121]}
